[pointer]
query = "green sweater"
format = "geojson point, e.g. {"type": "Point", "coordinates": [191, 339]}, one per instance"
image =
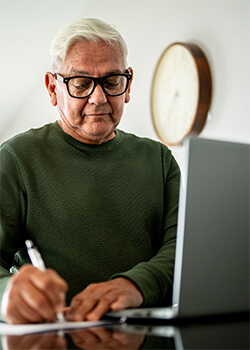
{"type": "Point", "coordinates": [94, 212]}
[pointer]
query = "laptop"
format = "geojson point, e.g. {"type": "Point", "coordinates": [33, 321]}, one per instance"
{"type": "Point", "coordinates": [211, 274]}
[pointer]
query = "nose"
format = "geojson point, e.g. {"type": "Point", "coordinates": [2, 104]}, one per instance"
{"type": "Point", "coordinates": [98, 96]}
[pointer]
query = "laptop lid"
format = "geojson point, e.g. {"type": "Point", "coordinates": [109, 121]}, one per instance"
{"type": "Point", "coordinates": [212, 253]}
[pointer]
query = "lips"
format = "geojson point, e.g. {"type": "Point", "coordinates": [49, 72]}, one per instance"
{"type": "Point", "coordinates": [97, 111]}
{"type": "Point", "coordinates": [97, 115]}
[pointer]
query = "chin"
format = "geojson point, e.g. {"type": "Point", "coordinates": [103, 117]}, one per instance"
{"type": "Point", "coordinates": [97, 136]}
{"type": "Point", "coordinates": [100, 129]}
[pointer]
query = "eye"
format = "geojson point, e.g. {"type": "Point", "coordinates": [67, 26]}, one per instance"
{"type": "Point", "coordinates": [114, 81]}
{"type": "Point", "coordinates": [82, 83]}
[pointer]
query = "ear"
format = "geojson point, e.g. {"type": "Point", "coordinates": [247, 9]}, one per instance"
{"type": "Point", "coordinates": [50, 83]}
{"type": "Point", "coordinates": [127, 93]}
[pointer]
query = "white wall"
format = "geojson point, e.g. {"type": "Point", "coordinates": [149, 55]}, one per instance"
{"type": "Point", "coordinates": [220, 27]}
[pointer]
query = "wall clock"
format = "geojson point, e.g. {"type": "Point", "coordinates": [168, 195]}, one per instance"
{"type": "Point", "coordinates": [181, 92]}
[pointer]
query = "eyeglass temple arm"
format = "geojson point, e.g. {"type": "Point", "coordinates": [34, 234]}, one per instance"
{"type": "Point", "coordinates": [58, 77]}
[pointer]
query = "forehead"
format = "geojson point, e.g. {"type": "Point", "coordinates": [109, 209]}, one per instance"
{"type": "Point", "coordinates": [94, 58]}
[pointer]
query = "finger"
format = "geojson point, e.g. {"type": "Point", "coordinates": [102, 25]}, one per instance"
{"type": "Point", "coordinates": [101, 307]}
{"type": "Point", "coordinates": [49, 341]}
{"type": "Point", "coordinates": [49, 283]}
{"type": "Point", "coordinates": [39, 302]}
{"type": "Point", "coordinates": [27, 314]}
{"type": "Point", "coordinates": [29, 296]}
{"type": "Point", "coordinates": [19, 341]}
{"type": "Point", "coordinates": [84, 302]}
{"type": "Point", "coordinates": [85, 339]}
{"type": "Point", "coordinates": [105, 335]}
{"type": "Point", "coordinates": [21, 305]}
{"type": "Point", "coordinates": [52, 286]}
{"type": "Point", "coordinates": [80, 308]}
{"type": "Point", "coordinates": [21, 314]}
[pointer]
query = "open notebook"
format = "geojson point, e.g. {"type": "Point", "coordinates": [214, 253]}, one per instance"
{"type": "Point", "coordinates": [211, 274]}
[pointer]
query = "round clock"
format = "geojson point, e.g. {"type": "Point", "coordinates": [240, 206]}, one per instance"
{"type": "Point", "coordinates": [181, 92]}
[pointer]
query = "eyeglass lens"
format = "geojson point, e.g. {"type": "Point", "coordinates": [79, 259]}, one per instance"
{"type": "Point", "coordinates": [83, 86]}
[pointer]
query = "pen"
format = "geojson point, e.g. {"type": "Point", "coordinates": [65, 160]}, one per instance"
{"type": "Point", "coordinates": [37, 261]}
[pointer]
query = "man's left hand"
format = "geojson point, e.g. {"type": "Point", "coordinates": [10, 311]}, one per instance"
{"type": "Point", "coordinates": [98, 298]}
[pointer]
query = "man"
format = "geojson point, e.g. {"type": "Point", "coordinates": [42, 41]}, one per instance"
{"type": "Point", "coordinates": [100, 204]}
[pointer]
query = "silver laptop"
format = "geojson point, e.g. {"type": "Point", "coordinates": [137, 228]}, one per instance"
{"type": "Point", "coordinates": [211, 274]}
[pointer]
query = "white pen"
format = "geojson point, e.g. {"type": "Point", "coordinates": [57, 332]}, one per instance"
{"type": "Point", "coordinates": [37, 261]}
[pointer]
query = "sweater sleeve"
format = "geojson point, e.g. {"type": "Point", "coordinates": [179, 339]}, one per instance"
{"type": "Point", "coordinates": [11, 214]}
{"type": "Point", "coordinates": [155, 277]}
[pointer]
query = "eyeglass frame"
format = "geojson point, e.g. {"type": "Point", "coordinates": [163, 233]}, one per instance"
{"type": "Point", "coordinates": [96, 81]}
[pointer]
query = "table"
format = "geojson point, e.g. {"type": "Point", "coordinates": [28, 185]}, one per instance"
{"type": "Point", "coordinates": [227, 333]}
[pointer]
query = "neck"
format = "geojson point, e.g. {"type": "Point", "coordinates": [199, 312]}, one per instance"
{"type": "Point", "coordinates": [88, 139]}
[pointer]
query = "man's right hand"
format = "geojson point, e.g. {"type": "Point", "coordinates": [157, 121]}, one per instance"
{"type": "Point", "coordinates": [33, 296]}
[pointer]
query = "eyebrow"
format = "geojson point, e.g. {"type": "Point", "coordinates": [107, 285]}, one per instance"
{"type": "Point", "coordinates": [82, 72]}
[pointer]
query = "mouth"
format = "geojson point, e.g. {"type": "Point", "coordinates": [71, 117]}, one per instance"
{"type": "Point", "coordinates": [96, 116]}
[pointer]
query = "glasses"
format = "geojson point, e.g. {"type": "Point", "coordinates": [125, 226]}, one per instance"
{"type": "Point", "coordinates": [83, 86]}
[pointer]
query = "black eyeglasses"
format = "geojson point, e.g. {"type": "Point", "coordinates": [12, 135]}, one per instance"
{"type": "Point", "coordinates": [83, 86]}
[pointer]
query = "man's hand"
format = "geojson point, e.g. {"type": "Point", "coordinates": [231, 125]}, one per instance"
{"type": "Point", "coordinates": [33, 296]}
{"type": "Point", "coordinates": [92, 303]}
{"type": "Point", "coordinates": [103, 338]}
{"type": "Point", "coordinates": [50, 340]}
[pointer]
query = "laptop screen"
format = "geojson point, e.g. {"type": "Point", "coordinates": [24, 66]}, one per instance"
{"type": "Point", "coordinates": [212, 253]}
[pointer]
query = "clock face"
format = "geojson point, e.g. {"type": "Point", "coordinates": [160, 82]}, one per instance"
{"type": "Point", "coordinates": [174, 94]}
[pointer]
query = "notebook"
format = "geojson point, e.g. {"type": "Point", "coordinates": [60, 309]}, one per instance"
{"type": "Point", "coordinates": [211, 274]}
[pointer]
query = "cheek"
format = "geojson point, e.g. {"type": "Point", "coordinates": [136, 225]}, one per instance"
{"type": "Point", "coordinates": [72, 108]}
{"type": "Point", "coordinates": [62, 102]}
{"type": "Point", "coordinates": [118, 108]}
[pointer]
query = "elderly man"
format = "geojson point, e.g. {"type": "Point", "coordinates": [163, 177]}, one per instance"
{"type": "Point", "coordinates": [100, 204]}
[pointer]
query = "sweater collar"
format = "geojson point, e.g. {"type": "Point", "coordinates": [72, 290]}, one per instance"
{"type": "Point", "coordinates": [106, 146]}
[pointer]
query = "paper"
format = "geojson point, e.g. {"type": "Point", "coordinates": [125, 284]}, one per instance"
{"type": "Point", "coordinates": [20, 329]}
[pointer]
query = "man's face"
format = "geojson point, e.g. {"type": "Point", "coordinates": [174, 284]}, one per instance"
{"type": "Point", "coordinates": [93, 119]}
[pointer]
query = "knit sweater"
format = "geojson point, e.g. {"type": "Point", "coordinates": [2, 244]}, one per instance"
{"type": "Point", "coordinates": [95, 212]}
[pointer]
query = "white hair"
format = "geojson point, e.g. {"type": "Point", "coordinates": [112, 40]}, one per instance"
{"type": "Point", "coordinates": [89, 29]}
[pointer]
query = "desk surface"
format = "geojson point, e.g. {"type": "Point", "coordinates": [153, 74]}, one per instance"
{"type": "Point", "coordinates": [228, 334]}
